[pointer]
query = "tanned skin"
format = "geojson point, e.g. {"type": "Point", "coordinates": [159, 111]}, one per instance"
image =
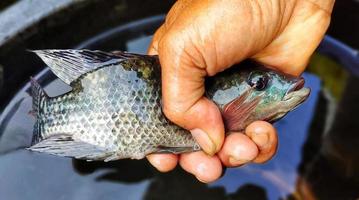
{"type": "Point", "coordinates": [203, 37]}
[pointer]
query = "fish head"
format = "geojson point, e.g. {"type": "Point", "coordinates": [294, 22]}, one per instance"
{"type": "Point", "coordinates": [249, 93]}
{"type": "Point", "coordinates": [279, 93]}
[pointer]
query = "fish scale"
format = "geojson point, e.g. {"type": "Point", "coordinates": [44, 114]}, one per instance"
{"type": "Point", "coordinates": [100, 107]}
{"type": "Point", "coordinates": [114, 108]}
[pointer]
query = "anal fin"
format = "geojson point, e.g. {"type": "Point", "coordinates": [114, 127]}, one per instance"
{"type": "Point", "coordinates": [177, 150]}
{"type": "Point", "coordinates": [65, 145]}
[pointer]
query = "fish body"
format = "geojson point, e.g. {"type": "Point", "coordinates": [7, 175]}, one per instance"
{"type": "Point", "coordinates": [114, 108]}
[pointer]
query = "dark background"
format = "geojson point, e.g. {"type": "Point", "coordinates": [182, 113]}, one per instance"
{"type": "Point", "coordinates": [345, 22]}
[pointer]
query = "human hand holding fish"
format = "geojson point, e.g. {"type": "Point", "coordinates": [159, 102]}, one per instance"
{"type": "Point", "coordinates": [202, 38]}
{"type": "Point", "coordinates": [114, 108]}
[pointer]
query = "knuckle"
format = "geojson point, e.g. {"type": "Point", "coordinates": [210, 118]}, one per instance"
{"type": "Point", "coordinates": [166, 41]}
{"type": "Point", "coordinates": [172, 113]}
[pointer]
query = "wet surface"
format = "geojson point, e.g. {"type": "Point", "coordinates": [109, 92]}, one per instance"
{"type": "Point", "coordinates": [317, 157]}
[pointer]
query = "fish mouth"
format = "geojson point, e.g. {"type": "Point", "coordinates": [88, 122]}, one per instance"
{"type": "Point", "coordinates": [299, 84]}
{"type": "Point", "coordinates": [295, 96]}
{"type": "Point", "coordinates": [297, 93]}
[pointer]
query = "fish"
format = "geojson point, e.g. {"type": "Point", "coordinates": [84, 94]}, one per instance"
{"type": "Point", "coordinates": [114, 109]}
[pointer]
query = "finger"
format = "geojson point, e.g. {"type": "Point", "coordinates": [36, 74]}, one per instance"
{"type": "Point", "coordinates": [205, 168]}
{"type": "Point", "coordinates": [264, 135]}
{"type": "Point", "coordinates": [163, 162]}
{"type": "Point", "coordinates": [171, 16]}
{"type": "Point", "coordinates": [237, 150]}
{"type": "Point", "coordinates": [183, 101]}
{"type": "Point", "coordinates": [152, 48]}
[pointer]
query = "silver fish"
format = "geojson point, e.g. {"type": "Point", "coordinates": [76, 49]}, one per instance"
{"type": "Point", "coordinates": [114, 108]}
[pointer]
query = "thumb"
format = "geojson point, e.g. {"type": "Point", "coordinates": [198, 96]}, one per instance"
{"type": "Point", "coordinates": [182, 94]}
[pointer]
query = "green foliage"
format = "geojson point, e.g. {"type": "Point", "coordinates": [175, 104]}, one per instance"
{"type": "Point", "coordinates": [333, 75]}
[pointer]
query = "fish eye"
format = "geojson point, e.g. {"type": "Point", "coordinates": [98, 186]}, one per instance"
{"type": "Point", "coordinates": [259, 80]}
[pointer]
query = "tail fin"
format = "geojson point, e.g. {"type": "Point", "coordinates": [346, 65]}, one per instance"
{"type": "Point", "coordinates": [39, 100]}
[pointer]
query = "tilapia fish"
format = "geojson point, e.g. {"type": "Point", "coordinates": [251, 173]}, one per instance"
{"type": "Point", "coordinates": [114, 108]}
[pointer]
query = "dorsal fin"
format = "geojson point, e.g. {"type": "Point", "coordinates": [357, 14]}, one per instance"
{"type": "Point", "coordinates": [69, 64]}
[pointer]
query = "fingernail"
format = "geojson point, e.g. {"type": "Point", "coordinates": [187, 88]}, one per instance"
{"type": "Point", "coordinates": [261, 138]}
{"type": "Point", "coordinates": [204, 141]}
{"type": "Point", "coordinates": [235, 161]}
{"type": "Point", "coordinates": [241, 154]}
{"type": "Point", "coordinates": [201, 169]}
{"type": "Point", "coordinates": [202, 181]}
{"type": "Point", "coordinates": [260, 133]}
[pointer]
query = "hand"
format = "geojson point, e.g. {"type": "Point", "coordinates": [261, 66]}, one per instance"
{"type": "Point", "coordinates": [203, 37]}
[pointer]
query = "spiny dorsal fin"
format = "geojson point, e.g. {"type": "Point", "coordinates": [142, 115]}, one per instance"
{"type": "Point", "coordinates": [69, 64]}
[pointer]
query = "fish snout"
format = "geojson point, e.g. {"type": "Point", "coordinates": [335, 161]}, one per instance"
{"type": "Point", "coordinates": [297, 84]}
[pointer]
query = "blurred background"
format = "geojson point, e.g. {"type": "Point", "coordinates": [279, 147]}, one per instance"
{"type": "Point", "coordinates": [318, 158]}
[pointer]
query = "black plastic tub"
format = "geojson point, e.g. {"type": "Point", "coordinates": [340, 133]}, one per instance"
{"type": "Point", "coordinates": [318, 155]}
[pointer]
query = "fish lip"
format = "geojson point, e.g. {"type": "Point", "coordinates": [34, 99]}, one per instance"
{"type": "Point", "coordinates": [297, 89]}
{"type": "Point", "coordinates": [300, 94]}
{"type": "Point", "coordinates": [298, 85]}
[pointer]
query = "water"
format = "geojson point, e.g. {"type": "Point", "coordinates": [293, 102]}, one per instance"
{"type": "Point", "coordinates": [304, 159]}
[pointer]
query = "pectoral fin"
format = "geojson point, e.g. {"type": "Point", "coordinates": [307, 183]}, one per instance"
{"type": "Point", "coordinates": [236, 112]}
